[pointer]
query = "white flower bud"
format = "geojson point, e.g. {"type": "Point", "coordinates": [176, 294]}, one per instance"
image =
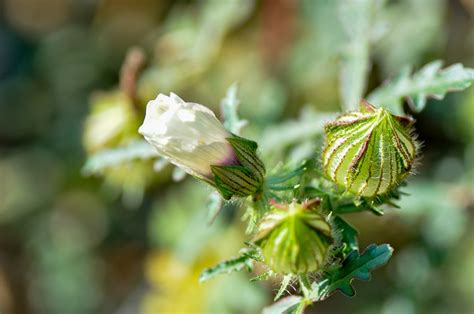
{"type": "Point", "coordinates": [189, 135]}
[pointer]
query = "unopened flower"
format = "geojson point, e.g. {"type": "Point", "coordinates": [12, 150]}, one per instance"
{"type": "Point", "coordinates": [370, 151]}
{"type": "Point", "coordinates": [191, 137]}
{"type": "Point", "coordinates": [294, 238]}
{"type": "Point", "coordinates": [111, 122]}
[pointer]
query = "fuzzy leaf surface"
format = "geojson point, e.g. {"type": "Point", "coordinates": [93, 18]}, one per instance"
{"type": "Point", "coordinates": [139, 149]}
{"type": "Point", "coordinates": [429, 81]}
{"type": "Point", "coordinates": [232, 265]}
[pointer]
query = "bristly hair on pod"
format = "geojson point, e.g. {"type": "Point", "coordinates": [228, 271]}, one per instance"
{"type": "Point", "coordinates": [369, 152]}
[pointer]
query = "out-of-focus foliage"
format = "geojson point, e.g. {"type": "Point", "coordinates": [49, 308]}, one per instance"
{"type": "Point", "coordinates": [125, 240]}
{"type": "Point", "coordinates": [357, 19]}
{"type": "Point", "coordinates": [429, 81]}
{"type": "Point", "coordinates": [187, 247]}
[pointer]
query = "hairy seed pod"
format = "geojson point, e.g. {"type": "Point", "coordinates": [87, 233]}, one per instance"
{"type": "Point", "coordinates": [369, 151]}
{"type": "Point", "coordinates": [294, 239]}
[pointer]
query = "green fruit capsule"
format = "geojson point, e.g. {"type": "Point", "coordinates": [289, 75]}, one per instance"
{"type": "Point", "coordinates": [294, 239]}
{"type": "Point", "coordinates": [369, 151]}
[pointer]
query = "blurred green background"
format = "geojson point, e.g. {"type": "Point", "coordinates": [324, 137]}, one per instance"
{"type": "Point", "coordinates": [75, 76]}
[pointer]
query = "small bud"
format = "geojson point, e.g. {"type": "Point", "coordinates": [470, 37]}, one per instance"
{"type": "Point", "coordinates": [191, 137]}
{"type": "Point", "coordinates": [294, 239]}
{"type": "Point", "coordinates": [111, 122]}
{"type": "Point", "coordinates": [369, 151]}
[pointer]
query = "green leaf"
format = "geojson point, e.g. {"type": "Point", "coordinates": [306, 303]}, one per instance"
{"type": "Point", "coordinates": [291, 304]}
{"type": "Point", "coordinates": [284, 284]}
{"type": "Point", "coordinates": [348, 233]}
{"type": "Point", "coordinates": [399, 19]}
{"type": "Point", "coordinates": [236, 264]}
{"type": "Point", "coordinates": [354, 266]}
{"type": "Point", "coordinates": [280, 136]}
{"type": "Point", "coordinates": [430, 81]}
{"type": "Point", "coordinates": [356, 18]}
{"type": "Point", "coordinates": [263, 276]}
{"type": "Point", "coordinates": [349, 208]}
{"type": "Point", "coordinates": [139, 149]}
{"type": "Point", "coordinates": [363, 205]}
{"type": "Point", "coordinates": [375, 209]}
{"type": "Point", "coordinates": [229, 107]}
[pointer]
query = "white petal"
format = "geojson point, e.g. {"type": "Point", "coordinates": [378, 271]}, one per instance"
{"type": "Point", "coordinates": [187, 134]}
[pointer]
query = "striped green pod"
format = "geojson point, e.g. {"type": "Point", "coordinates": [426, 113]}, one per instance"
{"type": "Point", "coordinates": [243, 173]}
{"type": "Point", "coordinates": [369, 151]}
{"type": "Point", "coordinates": [294, 239]}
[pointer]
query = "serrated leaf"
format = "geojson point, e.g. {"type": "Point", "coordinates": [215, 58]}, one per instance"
{"type": "Point", "coordinates": [263, 276]}
{"type": "Point", "coordinates": [286, 305]}
{"type": "Point", "coordinates": [355, 266]}
{"type": "Point", "coordinates": [229, 107]}
{"type": "Point", "coordinates": [236, 264]}
{"type": "Point", "coordinates": [430, 81]}
{"type": "Point", "coordinates": [356, 18]}
{"type": "Point", "coordinates": [112, 157]}
{"type": "Point", "coordinates": [348, 233]}
{"type": "Point", "coordinates": [284, 284]}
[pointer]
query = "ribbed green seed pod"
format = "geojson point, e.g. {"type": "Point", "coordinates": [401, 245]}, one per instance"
{"type": "Point", "coordinates": [370, 151]}
{"type": "Point", "coordinates": [294, 239]}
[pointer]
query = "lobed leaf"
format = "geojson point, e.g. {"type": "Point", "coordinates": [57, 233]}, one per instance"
{"type": "Point", "coordinates": [236, 264]}
{"type": "Point", "coordinates": [355, 266]}
{"type": "Point", "coordinates": [429, 81]}
{"type": "Point", "coordinates": [139, 149]}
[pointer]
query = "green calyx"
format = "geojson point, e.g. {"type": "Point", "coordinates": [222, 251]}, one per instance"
{"type": "Point", "coordinates": [294, 239]}
{"type": "Point", "coordinates": [242, 179]}
{"type": "Point", "coordinates": [370, 151]}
